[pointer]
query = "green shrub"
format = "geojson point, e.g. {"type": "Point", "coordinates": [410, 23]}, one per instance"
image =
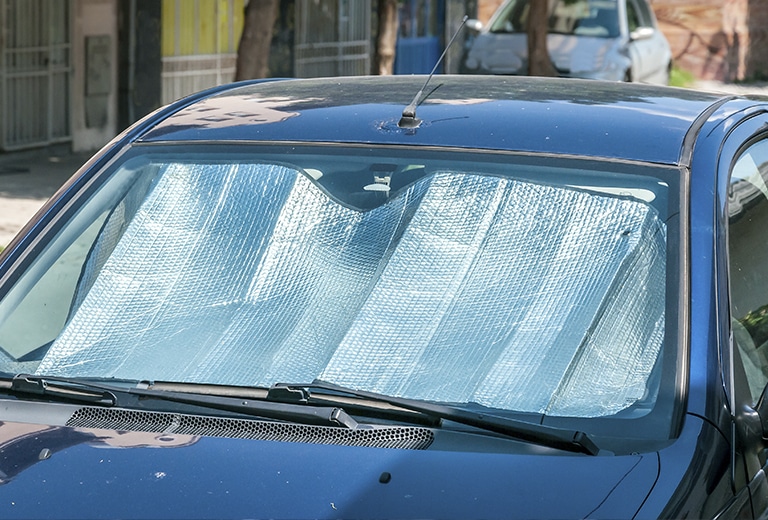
{"type": "Point", "coordinates": [681, 78]}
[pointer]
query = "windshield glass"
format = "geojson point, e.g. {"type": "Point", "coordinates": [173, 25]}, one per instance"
{"type": "Point", "coordinates": [532, 285]}
{"type": "Point", "coordinates": [598, 18]}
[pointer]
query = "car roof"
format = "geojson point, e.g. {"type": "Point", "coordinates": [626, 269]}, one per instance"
{"type": "Point", "coordinates": [519, 114]}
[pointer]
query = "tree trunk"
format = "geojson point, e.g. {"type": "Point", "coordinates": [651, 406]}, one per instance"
{"type": "Point", "coordinates": [386, 37]}
{"type": "Point", "coordinates": [253, 50]}
{"type": "Point", "coordinates": [539, 62]}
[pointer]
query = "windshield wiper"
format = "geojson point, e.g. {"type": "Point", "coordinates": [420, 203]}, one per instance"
{"type": "Point", "coordinates": [103, 394]}
{"type": "Point", "coordinates": [289, 402]}
{"type": "Point", "coordinates": [355, 405]}
{"type": "Point", "coordinates": [316, 415]}
{"type": "Point", "coordinates": [560, 438]}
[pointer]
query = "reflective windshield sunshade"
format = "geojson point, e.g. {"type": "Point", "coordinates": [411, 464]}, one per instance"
{"type": "Point", "coordinates": [514, 295]}
{"type": "Point", "coordinates": [462, 287]}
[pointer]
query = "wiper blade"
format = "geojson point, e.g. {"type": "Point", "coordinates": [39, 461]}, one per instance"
{"type": "Point", "coordinates": [559, 438]}
{"type": "Point", "coordinates": [288, 402]}
{"type": "Point", "coordinates": [103, 394]}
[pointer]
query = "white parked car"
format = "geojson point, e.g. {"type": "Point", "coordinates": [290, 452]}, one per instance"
{"type": "Point", "coordinates": [615, 40]}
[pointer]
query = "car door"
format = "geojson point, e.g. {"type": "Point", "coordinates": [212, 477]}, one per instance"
{"type": "Point", "coordinates": [745, 359]}
{"type": "Point", "coordinates": [646, 47]}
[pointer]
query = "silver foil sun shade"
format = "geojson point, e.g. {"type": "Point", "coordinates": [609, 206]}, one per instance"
{"type": "Point", "coordinates": [463, 288]}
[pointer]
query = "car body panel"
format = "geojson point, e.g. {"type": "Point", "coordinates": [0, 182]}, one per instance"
{"type": "Point", "coordinates": [646, 65]}
{"type": "Point", "coordinates": [187, 476]}
{"type": "Point", "coordinates": [553, 112]}
{"type": "Point", "coordinates": [705, 470]}
{"type": "Point", "coordinates": [693, 483]}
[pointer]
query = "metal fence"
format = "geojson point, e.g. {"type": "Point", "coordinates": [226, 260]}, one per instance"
{"type": "Point", "coordinates": [183, 75]}
{"type": "Point", "coordinates": [35, 72]}
{"type": "Point", "coordinates": [199, 44]}
{"type": "Point", "coordinates": [333, 38]}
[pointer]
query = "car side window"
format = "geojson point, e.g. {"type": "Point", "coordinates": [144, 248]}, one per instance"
{"type": "Point", "coordinates": [748, 256]}
{"type": "Point", "coordinates": [633, 17]}
{"type": "Point", "coordinates": [643, 13]}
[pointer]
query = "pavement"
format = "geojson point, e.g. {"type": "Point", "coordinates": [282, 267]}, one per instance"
{"type": "Point", "coordinates": [742, 89]}
{"type": "Point", "coordinates": [29, 178]}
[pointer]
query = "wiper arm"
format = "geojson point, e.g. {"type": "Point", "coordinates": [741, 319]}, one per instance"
{"type": "Point", "coordinates": [59, 389]}
{"type": "Point", "coordinates": [354, 405]}
{"type": "Point", "coordinates": [317, 415]}
{"type": "Point", "coordinates": [560, 438]}
{"type": "Point", "coordinates": [97, 393]}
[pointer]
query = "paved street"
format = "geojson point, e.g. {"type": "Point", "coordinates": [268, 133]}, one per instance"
{"type": "Point", "coordinates": [28, 179]}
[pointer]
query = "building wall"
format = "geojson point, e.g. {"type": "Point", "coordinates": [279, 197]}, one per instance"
{"type": "Point", "coordinates": [94, 81]}
{"type": "Point", "coordinates": [724, 40]}
{"type": "Point", "coordinates": [707, 37]}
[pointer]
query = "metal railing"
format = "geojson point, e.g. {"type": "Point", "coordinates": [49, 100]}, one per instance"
{"type": "Point", "coordinates": [35, 73]}
{"type": "Point", "coordinates": [183, 75]}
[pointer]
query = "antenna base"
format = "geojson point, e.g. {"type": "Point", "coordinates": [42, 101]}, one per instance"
{"type": "Point", "coordinates": [408, 121]}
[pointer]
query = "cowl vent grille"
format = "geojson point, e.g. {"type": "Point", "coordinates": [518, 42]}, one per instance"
{"type": "Point", "coordinates": [398, 437]}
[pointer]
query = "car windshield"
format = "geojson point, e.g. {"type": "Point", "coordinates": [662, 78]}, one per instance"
{"type": "Point", "coordinates": [598, 18]}
{"type": "Point", "coordinates": [516, 283]}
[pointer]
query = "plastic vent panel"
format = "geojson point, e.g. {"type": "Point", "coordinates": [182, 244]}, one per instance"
{"type": "Point", "coordinates": [397, 437]}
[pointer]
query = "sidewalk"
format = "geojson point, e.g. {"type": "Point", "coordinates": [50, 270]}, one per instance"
{"type": "Point", "coordinates": [28, 179]}
{"type": "Point", "coordinates": [741, 89]}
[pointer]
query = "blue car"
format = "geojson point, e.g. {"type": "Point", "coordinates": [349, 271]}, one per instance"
{"type": "Point", "coordinates": [511, 298]}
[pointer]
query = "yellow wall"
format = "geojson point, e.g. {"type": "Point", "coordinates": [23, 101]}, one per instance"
{"type": "Point", "coordinates": [191, 27]}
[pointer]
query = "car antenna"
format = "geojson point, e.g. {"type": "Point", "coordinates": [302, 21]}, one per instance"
{"type": "Point", "coordinates": [408, 118]}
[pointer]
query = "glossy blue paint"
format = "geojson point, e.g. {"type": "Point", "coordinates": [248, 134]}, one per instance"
{"type": "Point", "coordinates": [705, 366]}
{"type": "Point", "coordinates": [203, 477]}
{"type": "Point", "coordinates": [699, 473]}
{"type": "Point", "coordinates": [576, 117]}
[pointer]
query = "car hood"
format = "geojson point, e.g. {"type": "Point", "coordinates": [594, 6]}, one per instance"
{"type": "Point", "coordinates": [64, 472]}
{"type": "Point", "coordinates": [507, 53]}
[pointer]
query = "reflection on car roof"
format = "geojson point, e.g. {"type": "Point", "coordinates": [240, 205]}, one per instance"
{"type": "Point", "coordinates": [564, 116]}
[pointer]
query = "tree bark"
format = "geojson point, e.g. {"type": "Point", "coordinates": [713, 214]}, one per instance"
{"type": "Point", "coordinates": [386, 37]}
{"type": "Point", "coordinates": [539, 62]}
{"type": "Point", "coordinates": [255, 42]}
